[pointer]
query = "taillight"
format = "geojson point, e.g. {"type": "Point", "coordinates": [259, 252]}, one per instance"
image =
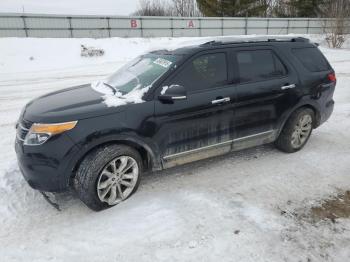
{"type": "Point", "coordinates": [332, 77]}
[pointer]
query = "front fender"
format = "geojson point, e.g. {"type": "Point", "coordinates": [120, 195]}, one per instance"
{"type": "Point", "coordinates": [86, 145]}
{"type": "Point", "coordinates": [91, 133]}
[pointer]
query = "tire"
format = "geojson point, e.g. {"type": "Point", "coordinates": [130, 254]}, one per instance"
{"type": "Point", "coordinates": [100, 182]}
{"type": "Point", "coordinates": [299, 124]}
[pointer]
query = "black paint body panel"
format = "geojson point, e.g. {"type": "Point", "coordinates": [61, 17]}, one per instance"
{"type": "Point", "coordinates": [195, 127]}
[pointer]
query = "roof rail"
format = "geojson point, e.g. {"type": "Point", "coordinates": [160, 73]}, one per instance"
{"type": "Point", "coordinates": [293, 39]}
{"type": "Point", "coordinates": [235, 40]}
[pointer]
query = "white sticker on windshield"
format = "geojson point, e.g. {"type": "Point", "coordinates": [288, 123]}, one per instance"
{"type": "Point", "coordinates": [162, 62]}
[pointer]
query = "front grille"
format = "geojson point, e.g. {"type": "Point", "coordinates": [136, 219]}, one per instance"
{"type": "Point", "coordinates": [23, 129]}
{"type": "Point", "coordinates": [26, 124]}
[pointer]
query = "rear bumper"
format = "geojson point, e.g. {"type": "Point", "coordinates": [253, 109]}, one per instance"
{"type": "Point", "coordinates": [327, 111]}
{"type": "Point", "coordinates": [46, 167]}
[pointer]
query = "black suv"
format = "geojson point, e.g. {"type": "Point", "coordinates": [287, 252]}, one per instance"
{"type": "Point", "coordinates": [168, 108]}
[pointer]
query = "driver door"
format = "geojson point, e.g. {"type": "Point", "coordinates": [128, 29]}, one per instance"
{"type": "Point", "coordinates": [199, 125]}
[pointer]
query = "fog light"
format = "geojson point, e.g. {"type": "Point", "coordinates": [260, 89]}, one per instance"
{"type": "Point", "coordinates": [36, 139]}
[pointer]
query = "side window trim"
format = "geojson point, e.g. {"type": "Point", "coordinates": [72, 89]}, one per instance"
{"type": "Point", "coordinates": [275, 54]}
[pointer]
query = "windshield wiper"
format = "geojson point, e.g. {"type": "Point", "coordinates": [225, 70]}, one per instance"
{"type": "Point", "coordinates": [111, 87]}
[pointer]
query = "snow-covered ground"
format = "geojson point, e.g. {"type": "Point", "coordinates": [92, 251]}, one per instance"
{"type": "Point", "coordinates": [241, 207]}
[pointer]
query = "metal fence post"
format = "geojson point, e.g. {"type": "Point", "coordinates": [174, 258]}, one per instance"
{"type": "Point", "coordinates": [246, 25]}
{"type": "Point", "coordinates": [267, 26]}
{"type": "Point", "coordinates": [70, 26]}
{"type": "Point", "coordinates": [25, 25]}
{"type": "Point", "coordinates": [141, 27]}
{"type": "Point", "coordinates": [172, 26]}
{"type": "Point", "coordinates": [222, 26]}
{"type": "Point", "coordinates": [109, 27]}
{"type": "Point", "coordinates": [308, 26]}
{"type": "Point", "coordinates": [287, 26]}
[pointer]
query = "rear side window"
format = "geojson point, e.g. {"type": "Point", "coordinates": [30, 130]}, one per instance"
{"type": "Point", "coordinates": [203, 72]}
{"type": "Point", "coordinates": [258, 65]}
{"type": "Point", "coordinates": [312, 59]}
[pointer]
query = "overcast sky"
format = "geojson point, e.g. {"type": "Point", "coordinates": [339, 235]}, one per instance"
{"type": "Point", "coordinates": [93, 7]}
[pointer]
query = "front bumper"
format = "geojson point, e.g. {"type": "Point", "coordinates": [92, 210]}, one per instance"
{"type": "Point", "coordinates": [47, 167]}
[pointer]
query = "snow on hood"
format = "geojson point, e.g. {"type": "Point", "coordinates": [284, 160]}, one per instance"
{"type": "Point", "coordinates": [112, 99]}
{"type": "Point", "coordinates": [100, 87]}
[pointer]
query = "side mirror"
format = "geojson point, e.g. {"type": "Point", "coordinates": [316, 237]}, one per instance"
{"type": "Point", "coordinates": [172, 93]}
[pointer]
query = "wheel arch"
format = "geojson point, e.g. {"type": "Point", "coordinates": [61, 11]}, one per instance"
{"type": "Point", "coordinates": [311, 106]}
{"type": "Point", "coordinates": [317, 114]}
{"type": "Point", "coordinates": [149, 157]}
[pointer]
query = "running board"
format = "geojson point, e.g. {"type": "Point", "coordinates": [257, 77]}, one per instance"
{"type": "Point", "coordinates": [219, 148]}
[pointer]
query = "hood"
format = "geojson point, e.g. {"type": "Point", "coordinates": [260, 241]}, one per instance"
{"type": "Point", "coordinates": [69, 104]}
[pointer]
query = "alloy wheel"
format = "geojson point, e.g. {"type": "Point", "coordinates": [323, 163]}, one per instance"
{"type": "Point", "coordinates": [302, 131]}
{"type": "Point", "coordinates": [117, 180]}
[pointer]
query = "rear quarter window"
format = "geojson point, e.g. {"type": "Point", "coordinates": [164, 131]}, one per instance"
{"type": "Point", "coordinates": [312, 59]}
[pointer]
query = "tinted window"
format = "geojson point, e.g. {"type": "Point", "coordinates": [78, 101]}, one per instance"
{"type": "Point", "coordinates": [259, 65]}
{"type": "Point", "coordinates": [312, 59]}
{"type": "Point", "coordinates": [203, 72]}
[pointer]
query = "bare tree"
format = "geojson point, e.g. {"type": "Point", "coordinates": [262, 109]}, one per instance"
{"type": "Point", "coordinates": [337, 27]}
{"type": "Point", "coordinates": [183, 8]}
{"type": "Point", "coordinates": [154, 8]}
{"type": "Point", "coordinates": [267, 4]}
{"type": "Point", "coordinates": [186, 8]}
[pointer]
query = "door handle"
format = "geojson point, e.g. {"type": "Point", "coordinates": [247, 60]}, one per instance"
{"type": "Point", "coordinates": [288, 87]}
{"type": "Point", "coordinates": [221, 100]}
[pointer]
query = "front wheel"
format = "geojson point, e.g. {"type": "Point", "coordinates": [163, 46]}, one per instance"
{"type": "Point", "coordinates": [108, 175]}
{"type": "Point", "coordinates": [296, 131]}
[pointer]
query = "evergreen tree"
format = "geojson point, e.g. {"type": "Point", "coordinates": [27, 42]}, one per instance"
{"type": "Point", "coordinates": [232, 7]}
{"type": "Point", "coordinates": [306, 8]}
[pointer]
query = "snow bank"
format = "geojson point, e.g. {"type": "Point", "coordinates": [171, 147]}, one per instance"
{"type": "Point", "coordinates": [45, 54]}
{"type": "Point", "coordinates": [35, 54]}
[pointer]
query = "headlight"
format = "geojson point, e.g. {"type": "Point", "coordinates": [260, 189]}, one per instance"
{"type": "Point", "coordinates": [40, 133]}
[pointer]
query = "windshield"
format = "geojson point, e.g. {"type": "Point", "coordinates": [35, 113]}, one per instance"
{"type": "Point", "coordinates": [141, 72]}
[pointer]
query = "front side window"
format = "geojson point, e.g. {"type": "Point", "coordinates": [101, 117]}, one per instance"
{"type": "Point", "coordinates": [203, 72]}
{"type": "Point", "coordinates": [258, 65]}
{"type": "Point", "coordinates": [141, 72]}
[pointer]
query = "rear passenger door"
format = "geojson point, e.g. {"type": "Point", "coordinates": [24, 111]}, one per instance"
{"type": "Point", "coordinates": [266, 89]}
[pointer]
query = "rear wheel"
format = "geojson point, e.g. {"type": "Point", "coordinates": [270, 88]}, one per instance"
{"type": "Point", "coordinates": [296, 131]}
{"type": "Point", "coordinates": [108, 175]}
